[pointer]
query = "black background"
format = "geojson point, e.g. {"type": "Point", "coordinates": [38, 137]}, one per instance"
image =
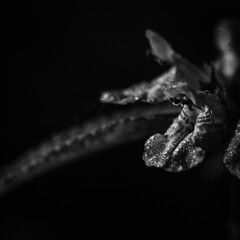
{"type": "Point", "coordinates": [61, 55]}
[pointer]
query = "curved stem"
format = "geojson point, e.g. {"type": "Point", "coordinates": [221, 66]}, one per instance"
{"type": "Point", "coordinates": [94, 135]}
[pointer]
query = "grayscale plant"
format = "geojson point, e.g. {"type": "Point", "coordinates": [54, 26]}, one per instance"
{"type": "Point", "coordinates": [184, 112]}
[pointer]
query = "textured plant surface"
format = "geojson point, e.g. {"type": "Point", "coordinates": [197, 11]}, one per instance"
{"type": "Point", "coordinates": [204, 114]}
{"type": "Point", "coordinates": [194, 104]}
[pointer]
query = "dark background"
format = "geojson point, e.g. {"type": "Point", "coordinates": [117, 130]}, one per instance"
{"type": "Point", "coordinates": [61, 55]}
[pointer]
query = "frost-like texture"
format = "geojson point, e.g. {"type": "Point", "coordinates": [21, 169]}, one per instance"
{"type": "Point", "coordinates": [152, 91]}
{"type": "Point", "coordinates": [185, 142]}
{"type": "Point", "coordinates": [180, 148]}
{"type": "Point", "coordinates": [232, 155]}
{"type": "Point", "coordinates": [97, 134]}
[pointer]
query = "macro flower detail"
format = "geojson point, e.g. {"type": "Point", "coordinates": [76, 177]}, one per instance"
{"type": "Point", "coordinates": [183, 113]}
{"type": "Point", "coordinates": [203, 115]}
